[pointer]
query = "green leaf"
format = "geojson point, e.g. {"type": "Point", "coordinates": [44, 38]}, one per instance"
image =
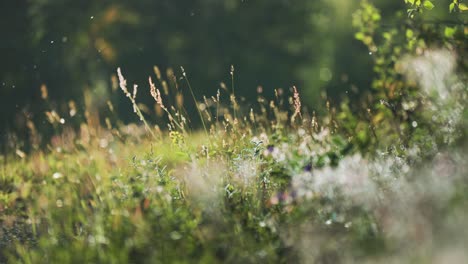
{"type": "Point", "coordinates": [376, 16]}
{"type": "Point", "coordinates": [411, 2]}
{"type": "Point", "coordinates": [409, 33]}
{"type": "Point", "coordinates": [462, 7]}
{"type": "Point", "coordinates": [449, 31]}
{"type": "Point", "coordinates": [451, 7]}
{"type": "Point", "coordinates": [428, 5]}
{"type": "Point", "coordinates": [359, 36]}
{"type": "Point", "coordinates": [387, 36]}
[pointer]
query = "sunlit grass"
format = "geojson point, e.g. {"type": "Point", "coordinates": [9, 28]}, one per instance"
{"type": "Point", "coordinates": [274, 185]}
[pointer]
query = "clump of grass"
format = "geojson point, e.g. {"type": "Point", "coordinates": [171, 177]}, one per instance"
{"type": "Point", "coordinates": [132, 97]}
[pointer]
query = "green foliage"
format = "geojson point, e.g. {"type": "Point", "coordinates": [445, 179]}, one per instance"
{"type": "Point", "coordinates": [380, 181]}
{"type": "Point", "coordinates": [396, 101]}
{"type": "Point", "coordinates": [268, 199]}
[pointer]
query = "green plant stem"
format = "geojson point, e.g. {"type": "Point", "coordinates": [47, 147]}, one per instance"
{"type": "Point", "coordinates": [196, 103]}
{"type": "Point", "coordinates": [142, 118]}
{"type": "Point", "coordinates": [233, 94]}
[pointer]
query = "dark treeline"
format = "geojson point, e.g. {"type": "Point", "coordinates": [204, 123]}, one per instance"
{"type": "Point", "coordinates": [75, 46]}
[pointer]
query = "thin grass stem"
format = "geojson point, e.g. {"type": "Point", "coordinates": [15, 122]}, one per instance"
{"type": "Point", "coordinates": [194, 99]}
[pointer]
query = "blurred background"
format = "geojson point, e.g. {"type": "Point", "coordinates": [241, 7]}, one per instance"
{"type": "Point", "coordinates": [74, 48]}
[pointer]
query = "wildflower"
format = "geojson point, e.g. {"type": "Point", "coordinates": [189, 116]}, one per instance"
{"type": "Point", "coordinates": [270, 148]}
{"type": "Point", "coordinates": [274, 200]}
{"type": "Point", "coordinates": [283, 198]}
{"type": "Point", "coordinates": [57, 175]}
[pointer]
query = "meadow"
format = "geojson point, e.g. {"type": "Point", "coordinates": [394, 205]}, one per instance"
{"type": "Point", "coordinates": [369, 167]}
{"type": "Point", "coordinates": [269, 184]}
